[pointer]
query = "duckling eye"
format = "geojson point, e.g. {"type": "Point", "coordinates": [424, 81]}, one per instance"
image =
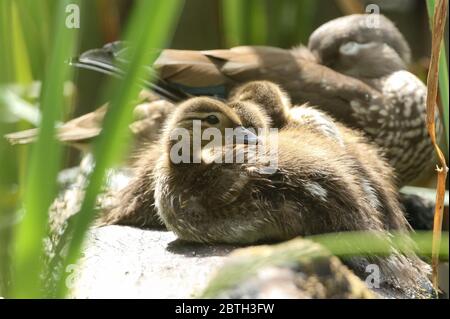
{"type": "Point", "coordinates": [212, 119]}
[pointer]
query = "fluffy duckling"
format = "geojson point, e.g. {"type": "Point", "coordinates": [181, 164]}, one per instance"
{"type": "Point", "coordinates": [321, 184]}
{"type": "Point", "coordinates": [139, 196]}
{"type": "Point", "coordinates": [301, 150]}
{"type": "Point", "coordinates": [277, 103]}
{"type": "Point", "coordinates": [266, 95]}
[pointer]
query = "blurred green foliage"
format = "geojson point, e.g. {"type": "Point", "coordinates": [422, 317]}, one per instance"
{"type": "Point", "coordinates": [257, 22]}
{"type": "Point", "coordinates": [150, 26]}
{"type": "Point", "coordinates": [34, 48]}
{"type": "Point", "coordinates": [45, 159]}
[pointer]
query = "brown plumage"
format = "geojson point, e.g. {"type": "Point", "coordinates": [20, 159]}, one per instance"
{"type": "Point", "coordinates": [140, 210]}
{"type": "Point", "coordinates": [265, 94]}
{"type": "Point", "coordinates": [323, 183]}
{"type": "Point", "coordinates": [378, 56]}
{"type": "Point", "coordinates": [354, 68]}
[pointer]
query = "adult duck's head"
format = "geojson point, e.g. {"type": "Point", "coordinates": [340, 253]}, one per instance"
{"type": "Point", "coordinates": [361, 45]}
{"type": "Point", "coordinates": [201, 124]}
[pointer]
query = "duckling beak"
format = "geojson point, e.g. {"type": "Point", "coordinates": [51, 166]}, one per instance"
{"type": "Point", "coordinates": [245, 136]}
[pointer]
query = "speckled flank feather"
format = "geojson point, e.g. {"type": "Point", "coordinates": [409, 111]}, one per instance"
{"type": "Point", "coordinates": [399, 124]}
{"type": "Point", "coordinates": [379, 56]}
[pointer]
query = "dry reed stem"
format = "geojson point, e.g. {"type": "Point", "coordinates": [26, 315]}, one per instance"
{"type": "Point", "coordinates": [439, 18]}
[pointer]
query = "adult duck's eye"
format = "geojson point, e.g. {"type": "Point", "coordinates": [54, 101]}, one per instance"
{"type": "Point", "coordinates": [212, 119]}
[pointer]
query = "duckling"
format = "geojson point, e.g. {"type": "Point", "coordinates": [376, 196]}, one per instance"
{"type": "Point", "coordinates": [136, 202]}
{"type": "Point", "coordinates": [140, 209]}
{"type": "Point", "coordinates": [377, 179]}
{"type": "Point", "coordinates": [354, 68]}
{"type": "Point", "coordinates": [275, 102]}
{"type": "Point", "coordinates": [277, 105]}
{"type": "Point", "coordinates": [319, 186]}
{"type": "Point", "coordinates": [253, 115]}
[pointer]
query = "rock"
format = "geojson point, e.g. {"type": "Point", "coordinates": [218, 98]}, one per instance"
{"type": "Point", "coordinates": [126, 262]}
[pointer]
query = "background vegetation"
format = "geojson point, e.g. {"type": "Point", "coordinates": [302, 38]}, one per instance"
{"type": "Point", "coordinates": [37, 86]}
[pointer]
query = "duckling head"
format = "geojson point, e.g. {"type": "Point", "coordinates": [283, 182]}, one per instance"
{"type": "Point", "coordinates": [252, 116]}
{"type": "Point", "coordinates": [201, 124]}
{"type": "Point", "coordinates": [273, 102]}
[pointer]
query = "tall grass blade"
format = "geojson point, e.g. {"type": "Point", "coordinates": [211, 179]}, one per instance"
{"type": "Point", "coordinates": [21, 61]}
{"type": "Point", "coordinates": [6, 56]}
{"type": "Point", "coordinates": [35, 19]}
{"type": "Point", "coordinates": [150, 26]}
{"type": "Point", "coordinates": [44, 166]}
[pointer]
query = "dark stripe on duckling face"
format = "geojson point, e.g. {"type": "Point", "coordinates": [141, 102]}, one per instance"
{"type": "Point", "coordinates": [202, 123]}
{"type": "Point", "coordinates": [211, 112]}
